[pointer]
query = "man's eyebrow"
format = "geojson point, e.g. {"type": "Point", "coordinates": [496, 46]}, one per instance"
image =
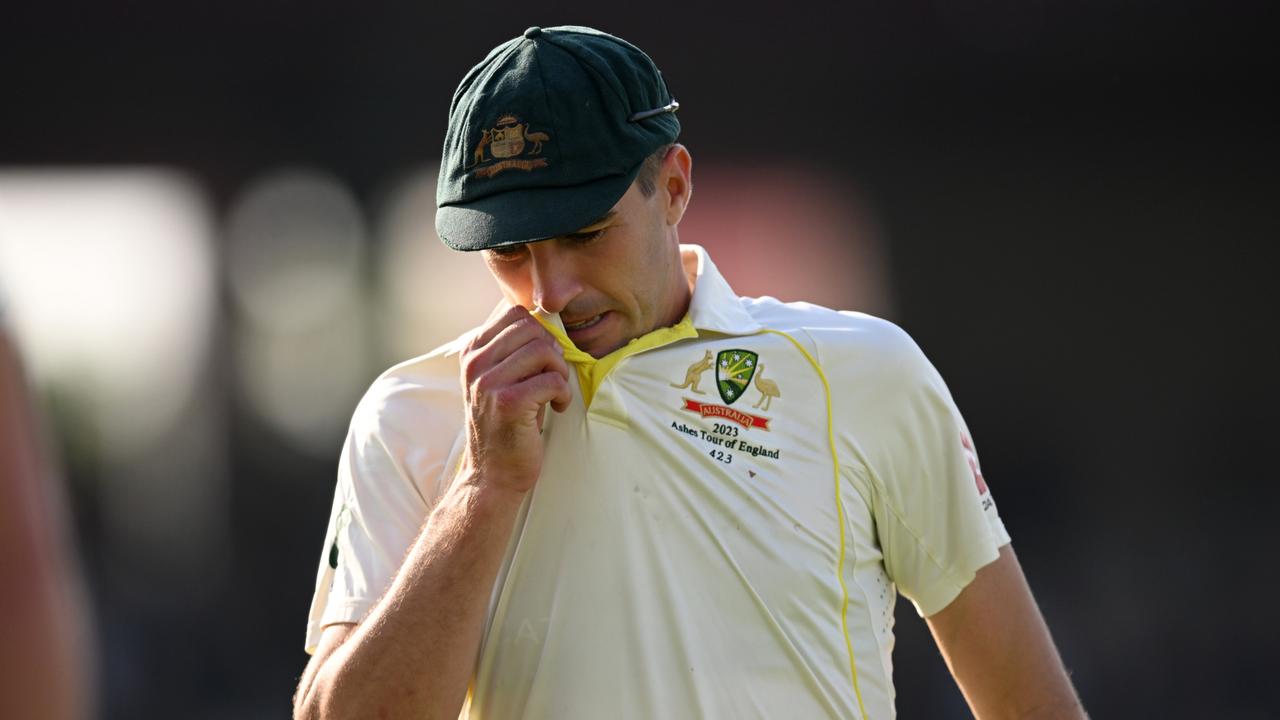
{"type": "Point", "coordinates": [595, 224]}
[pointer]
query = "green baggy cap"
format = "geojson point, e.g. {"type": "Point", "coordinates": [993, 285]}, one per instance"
{"type": "Point", "coordinates": [545, 136]}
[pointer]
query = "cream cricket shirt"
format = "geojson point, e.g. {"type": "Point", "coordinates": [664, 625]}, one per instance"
{"type": "Point", "coordinates": [723, 519]}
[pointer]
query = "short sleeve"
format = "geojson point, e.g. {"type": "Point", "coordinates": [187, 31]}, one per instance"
{"type": "Point", "coordinates": [393, 469]}
{"type": "Point", "coordinates": [936, 521]}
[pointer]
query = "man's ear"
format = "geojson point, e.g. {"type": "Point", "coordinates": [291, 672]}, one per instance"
{"type": "Point", "coordinates": [676, 181]}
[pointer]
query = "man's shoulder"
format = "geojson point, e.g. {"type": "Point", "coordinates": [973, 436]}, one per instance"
{"type": "Point", "coordinates": [421, 391]}
{"type": "Point", "coordinates": [833, 331]}
{"type": "Point", "coordinates": [432, 372]}
{"type": "Point", "coordinates": [874, 366]}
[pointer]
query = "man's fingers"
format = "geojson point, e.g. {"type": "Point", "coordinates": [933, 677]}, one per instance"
{"type": "Point", "coordinates": [515, 368]}
{"type": "Point", "coordinates": [498, 320]}
{"type": "Point", "coordinates": [506, 388]}
{"type": "Point", "coordinates": [548, 387]}
{"type": "Point", "coordinates": [534, 357]}
{"type": "Point", "coordinates": [514, 336]}
{"type": "Point", "coordinates": [505, 341]}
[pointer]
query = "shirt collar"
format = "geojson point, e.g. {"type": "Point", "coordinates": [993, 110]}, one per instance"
{"type": "Point", "coordinates": [715, 306]}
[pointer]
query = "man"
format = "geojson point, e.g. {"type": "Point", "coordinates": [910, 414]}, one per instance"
{"type": "Point", "coordinates": [713, 520]}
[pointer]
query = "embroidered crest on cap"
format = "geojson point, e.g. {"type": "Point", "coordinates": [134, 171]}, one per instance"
{"type": "Point", "coordinates": [508, 145]}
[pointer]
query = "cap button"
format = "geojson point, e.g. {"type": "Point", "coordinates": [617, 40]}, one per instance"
{"type": "Point", "coordinates": [533, 32]}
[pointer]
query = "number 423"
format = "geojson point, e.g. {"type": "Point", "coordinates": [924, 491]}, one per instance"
{"type": "Point", "coordinates": [722, 456]}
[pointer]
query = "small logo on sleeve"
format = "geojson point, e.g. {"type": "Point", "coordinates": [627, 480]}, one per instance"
{"type": "Point", "coordinates": [344, 517]}
{"type": "Point", "coordinates": [971, 455]}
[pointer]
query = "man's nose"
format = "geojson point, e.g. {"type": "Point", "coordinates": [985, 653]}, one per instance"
{"type": "Point", "coordinates": [555, 282]}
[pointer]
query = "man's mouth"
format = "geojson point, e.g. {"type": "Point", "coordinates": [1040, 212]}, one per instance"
{"type": "Point", "coordinates": [584, 324]}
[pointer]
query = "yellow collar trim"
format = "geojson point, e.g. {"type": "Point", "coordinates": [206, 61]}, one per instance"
{"type": "Point", "coordinates": [592, 372]}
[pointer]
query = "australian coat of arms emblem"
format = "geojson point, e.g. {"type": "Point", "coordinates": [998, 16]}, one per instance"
{"type": "Point", "coordinates": [508, 145]}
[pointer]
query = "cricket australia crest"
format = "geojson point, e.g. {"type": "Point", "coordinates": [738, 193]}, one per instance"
{"type": "Point", "coordinates": [508, 145]}
{"type": "Point", "coordinates": [734, 370]}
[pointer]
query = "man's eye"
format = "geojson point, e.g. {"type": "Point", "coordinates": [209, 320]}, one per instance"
{"type": "Point", "coordinates": [507, 252]}
{"type": "Point", "coordinates": [584, 238]}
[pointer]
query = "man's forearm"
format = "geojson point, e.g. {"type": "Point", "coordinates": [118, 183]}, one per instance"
{"type": "Point", "coordinates": [413, 655]}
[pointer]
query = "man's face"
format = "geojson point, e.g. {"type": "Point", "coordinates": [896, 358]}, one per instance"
{"type": "Point", "coordinates": [611, 281]}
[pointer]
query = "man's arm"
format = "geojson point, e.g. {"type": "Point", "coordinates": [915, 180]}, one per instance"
{"type": "Point", "coordinates": [42, 669]}
{"type": "Point", "coordinates": [414, 654]}
{"type": "Point", "coordinates": [999, 648]}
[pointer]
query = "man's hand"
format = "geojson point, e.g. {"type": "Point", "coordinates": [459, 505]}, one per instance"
{"type": "Point", "coordinates": [511, 369]}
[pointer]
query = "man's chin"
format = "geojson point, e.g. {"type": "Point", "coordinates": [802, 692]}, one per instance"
{"type": "Point", "coordinates": [600, 353]}
{"type": "Point", "coordinates": [600, 348]}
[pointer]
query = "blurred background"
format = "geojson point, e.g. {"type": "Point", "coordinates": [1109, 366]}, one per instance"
{"type": "Point", "coordinates": [216, 230]}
